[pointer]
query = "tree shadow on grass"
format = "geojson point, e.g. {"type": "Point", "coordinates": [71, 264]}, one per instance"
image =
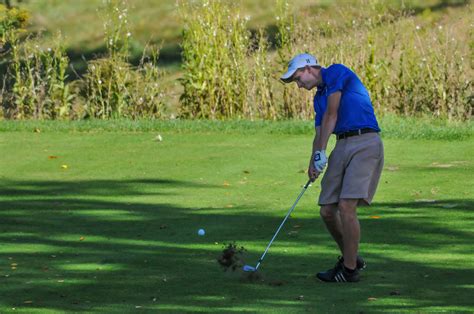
{"type": "Point", "coordinates": [101, 245]}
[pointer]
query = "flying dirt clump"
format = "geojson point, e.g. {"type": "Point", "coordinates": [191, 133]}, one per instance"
{"type": "Point", "coordinates": [231, 257]}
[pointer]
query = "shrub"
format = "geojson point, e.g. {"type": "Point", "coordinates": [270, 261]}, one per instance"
{"type": "Point", "coordinates": [113, 88]}
{"type": "Point", "coordinates": [215, 50]}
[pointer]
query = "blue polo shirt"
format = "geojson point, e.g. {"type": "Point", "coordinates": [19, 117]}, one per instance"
{"type": "Point", "coordinates": [355, 109]}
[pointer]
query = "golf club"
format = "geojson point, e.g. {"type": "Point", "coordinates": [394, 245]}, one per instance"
{"type": "Point", "coordinates": [248, 268]}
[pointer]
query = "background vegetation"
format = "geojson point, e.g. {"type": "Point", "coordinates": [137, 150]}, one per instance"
{"type": "Point", "coordinates": [222, 60]}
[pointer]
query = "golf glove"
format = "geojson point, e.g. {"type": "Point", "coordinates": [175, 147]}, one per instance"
{"type": "Point", "coordinates": [320, 160]}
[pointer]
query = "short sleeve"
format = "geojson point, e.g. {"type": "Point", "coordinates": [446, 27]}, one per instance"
{"type": "Point", "coordinates": [335, 78]}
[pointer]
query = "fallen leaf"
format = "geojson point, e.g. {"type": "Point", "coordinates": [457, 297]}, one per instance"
{"type": "Point", "coordinates": [37, 130]}
{"type": "Point", "coordinates": [64, 166]}
{"type": "Point", "coordinates": [158, 138]}
{"type": "Point", "coordinates": [52, 157]}
{"type": "Point", "coordinates": [246, 171]}
{"type": "Point", "coordinates": [229, 206]}
{"type": "Point", "coordinates": [81, 239]}
{"type": "Point", "coordinates": [371, 299]}
{"type": "Point", "coordinates": [28, 302]}
{"type": "Point", "coordinates": [226, 183]}
{"type": "Point", "coordinates": [375, 217]}
{"type": "Point", "coordinates": [300, 298]}
{"type": "Point", "coordinates": [392, 168]}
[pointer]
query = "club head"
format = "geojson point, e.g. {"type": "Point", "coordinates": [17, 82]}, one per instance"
{"type": "Point", "coordinates": [248, 268]}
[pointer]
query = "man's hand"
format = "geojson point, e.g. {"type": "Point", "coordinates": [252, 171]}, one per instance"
{"type": "Point", "coordinates": [320, 160]}
{"type": "Point", "coordinates": [313, 174]}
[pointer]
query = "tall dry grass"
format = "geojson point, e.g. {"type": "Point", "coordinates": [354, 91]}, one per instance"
{"type": "Point", "coordinates": [112, 87]}
{"type": "Point", "coordinates": [35, 82]}
{"type": "Point", "coordinates": [412, 64]}
{"type": "Point", "coordinates": [215, 61]}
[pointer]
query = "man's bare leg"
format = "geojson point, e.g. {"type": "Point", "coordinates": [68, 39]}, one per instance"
{"type": "Point", "coordinates": [350, 231]}
{"type": "Point", "coordinates": [332, 218]}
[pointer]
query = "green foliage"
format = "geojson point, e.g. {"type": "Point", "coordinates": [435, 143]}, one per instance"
{"type": "Point", "coordinates": [295, 103]}
{"type": "Point", "coordinates": [112, 87]}
{"type": "Point", "coordinates": [412, 63]}
{"type": "Point", "coordinates": [215, 49]}
{"type": "Point", "coordinates": [35, 82]}
{"type": "Point", "coordinates": [263, 92]}
{"type": "Point", "coordinates": [11, 20]}
{"type": "Point", "coordinates": [37, 77]}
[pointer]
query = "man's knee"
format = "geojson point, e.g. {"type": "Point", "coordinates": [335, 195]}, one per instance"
{"type": "Point", "coordinates": [348, 207]}
{"type": "Point", "coordinates": [328, 212]}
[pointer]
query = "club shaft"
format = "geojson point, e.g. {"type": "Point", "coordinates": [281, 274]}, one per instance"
{"type": "Point", "coordinates": [282, 223]}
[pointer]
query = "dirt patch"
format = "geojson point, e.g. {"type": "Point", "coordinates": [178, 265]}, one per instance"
{"type": "Point", "coordinates": [231, 257]}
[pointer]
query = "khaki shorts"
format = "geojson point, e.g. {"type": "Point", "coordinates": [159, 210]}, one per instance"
{"type": "Point", "coordinates": [353, 170]}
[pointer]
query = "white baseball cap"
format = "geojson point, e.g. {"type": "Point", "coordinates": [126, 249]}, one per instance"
{"type": "Point", "coordinates": [298, 62]}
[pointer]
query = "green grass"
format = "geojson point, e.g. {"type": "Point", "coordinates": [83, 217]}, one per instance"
{"type": "Point", "coordinates": [392, 127]}
{"type": "Point", "coordinates": [117, 229]}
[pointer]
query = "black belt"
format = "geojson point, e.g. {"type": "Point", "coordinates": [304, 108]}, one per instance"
{"type": "Point", "coordinates": [347, 134]}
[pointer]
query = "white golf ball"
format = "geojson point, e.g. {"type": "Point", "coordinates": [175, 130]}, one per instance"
{"type": "Point", "coordinates": [201, 232]}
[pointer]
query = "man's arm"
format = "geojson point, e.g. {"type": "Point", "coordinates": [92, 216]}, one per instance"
{"type": "Point", "coordinates": [312, 173]}
{"type": "Point", "coordinates": [329, 121]}
{"type": "Point", "coordinates": [316, 140]}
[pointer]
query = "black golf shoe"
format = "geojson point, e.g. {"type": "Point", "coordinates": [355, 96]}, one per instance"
{"type": "Point", "coordinates": [339, 275]}
{"type": "Point", "coordinates": [360, 263]}
{"type": "Point", "coordinates": [330, 274]}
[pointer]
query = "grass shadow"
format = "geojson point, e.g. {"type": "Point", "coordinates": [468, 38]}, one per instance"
{"type": "Point", "coordinates": [120, 246]}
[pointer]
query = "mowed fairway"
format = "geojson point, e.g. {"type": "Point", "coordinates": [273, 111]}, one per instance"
{"type": "Point", "coordinates": [116, 231]}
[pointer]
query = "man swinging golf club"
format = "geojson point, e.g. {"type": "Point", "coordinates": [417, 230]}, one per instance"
{"type": "Point", "coordinates": [342, 105]}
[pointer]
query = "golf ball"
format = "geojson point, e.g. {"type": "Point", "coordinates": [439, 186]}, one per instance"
{"type": "Point", "coordinates": [201, 232]}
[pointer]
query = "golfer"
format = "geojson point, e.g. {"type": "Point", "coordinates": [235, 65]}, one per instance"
{"type": "Point", "coordinates": [343, 107]}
